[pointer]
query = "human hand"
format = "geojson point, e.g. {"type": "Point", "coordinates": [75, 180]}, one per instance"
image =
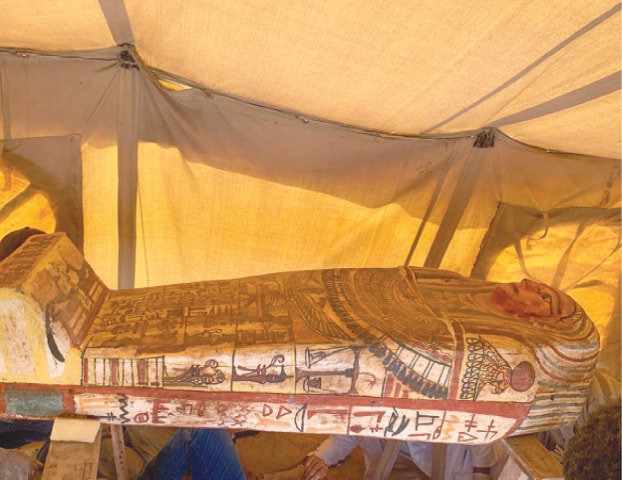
{"type": "Point", "coordinates": [315, 468]}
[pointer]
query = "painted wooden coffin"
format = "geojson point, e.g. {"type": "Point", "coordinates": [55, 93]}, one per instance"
{"type": "Point", "coordinates": [406, 353]}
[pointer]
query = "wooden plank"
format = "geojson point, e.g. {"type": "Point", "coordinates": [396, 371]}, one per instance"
{"type": "Point", "coordinates": [439, 460]}
{"type": "Point", "coordinates": [118, 448]}
{"type": "Point", "coordinates": [73, 459]}
{"type": "Point", "coordinates": [533, 458]}
{"type": "Point", "coordinates": [384, 466]}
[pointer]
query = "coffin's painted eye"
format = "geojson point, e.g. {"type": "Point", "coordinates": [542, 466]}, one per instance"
{"type": "Point", "coordinates": [548, 299]}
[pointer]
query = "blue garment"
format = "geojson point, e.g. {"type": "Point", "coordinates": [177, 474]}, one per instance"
{"type": "Point", "coordinates": [17, 433]}
{"type": "Point", "coordinates": [207, 453]}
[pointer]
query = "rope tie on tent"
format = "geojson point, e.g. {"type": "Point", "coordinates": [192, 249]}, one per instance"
{"type": "Point", "coordinates": [127, 60]}
{"type": "Point", "coordinates": [485, 139]}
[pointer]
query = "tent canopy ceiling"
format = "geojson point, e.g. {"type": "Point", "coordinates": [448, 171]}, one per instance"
{"type": "Point", "coordinates": [546, 74]}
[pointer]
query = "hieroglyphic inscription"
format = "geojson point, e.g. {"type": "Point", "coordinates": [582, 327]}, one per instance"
{"type": "Point", "coordinates": [23, 261]}
{"type": "Point", "coordinates": [177, 317]}
{"type": "Point", "coordinates": [429, 425]}
{"type": "Point", "coordinates": [69, 291]}
{"type": "Point", "coordinates": [384, 422]}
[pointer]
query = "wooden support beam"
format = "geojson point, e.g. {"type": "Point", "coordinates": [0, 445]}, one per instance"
{"type": "Point", "coordinates": [74, 450]}
{"type": "Point", "coordinates": [439, 460]}
{"type": "Point", "coordinates": [529, 459]}
{"type": "Point", "coordinates": [118, 449]}
{"type": "Point", "coordinates": [384, 466]}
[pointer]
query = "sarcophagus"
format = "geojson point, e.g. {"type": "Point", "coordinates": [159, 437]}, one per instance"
{"type": "Point", "coordinates": [402, 353]}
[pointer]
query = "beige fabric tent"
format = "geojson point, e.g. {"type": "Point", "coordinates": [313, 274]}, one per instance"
{"type": "Point", "coordinates": [184, 140]}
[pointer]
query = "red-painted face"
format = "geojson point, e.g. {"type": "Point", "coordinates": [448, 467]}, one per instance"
{"type": "Point", "coordinates": [532, 300]}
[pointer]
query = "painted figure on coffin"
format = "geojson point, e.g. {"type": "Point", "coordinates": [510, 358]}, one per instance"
{"type": "Point", "coordinates": [402, 352]}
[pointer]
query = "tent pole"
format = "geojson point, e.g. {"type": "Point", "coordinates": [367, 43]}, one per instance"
{"type": "Point", "coordinates": [128, 170]}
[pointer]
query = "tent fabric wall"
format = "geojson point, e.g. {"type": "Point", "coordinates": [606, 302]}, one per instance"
{"type": "Point", "coordinates": [179, 141]}
{"type": "Point", "coordinates": [44, 174]}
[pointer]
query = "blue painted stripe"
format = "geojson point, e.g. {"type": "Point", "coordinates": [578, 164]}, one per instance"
{"type": "Point", "coordinates": [33, 403]}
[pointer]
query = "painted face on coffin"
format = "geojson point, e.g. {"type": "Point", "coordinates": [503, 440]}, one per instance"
{"type": "Point", "coordinates": [534, 302]}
